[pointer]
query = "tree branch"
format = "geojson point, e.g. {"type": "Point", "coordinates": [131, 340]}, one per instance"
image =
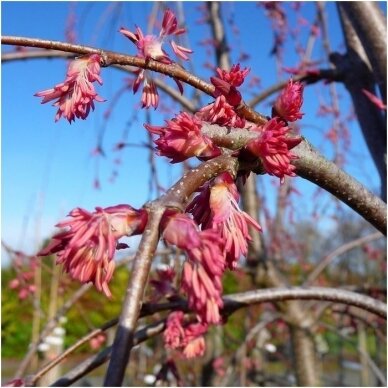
{"type": "Point", "coordinates": [110, 58]}
{"type": "Point", "coordinates": [314, 167]}
{"type": "Point", "coordinates": [176, 197]}
{"type": "Point", "coordinates": [97, 360]}
{"type": "Point", "coordinates": [41, 54]}
{"type": "Point", "coordinates": [371, 27]}
{"type": "Point", "coordinates": [356, 68]}
{"type": "Point", "coordinates": [308, 78]}
{"type": "Point", "coordinates": [337, 252]}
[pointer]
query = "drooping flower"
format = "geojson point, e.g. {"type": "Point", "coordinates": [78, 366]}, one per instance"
{"type": "Point", "coordinates": [203, 292]}
{"type": "Point", "coordinates": [273, 148]}
{"type": "Point", "coordinates": [76, 95]}
{"type": "Point", "coordinates": [201, 279]}
{"type": "Point", "coordinates": [227, 82]}
{"type": "Point", "coordinates": [87, 246]}
{"type": "Point", "coordinates": [181, 138]}
{"type": "Point", "coordinates": [151, 47]}
{"type": "Point", "coordinates": [216, 208]}
{"type": "Point", "coordinates": [174, 335]}
{"type": "Point", "coordinates": [222, 113]}
{"type": "Point", "coordinates": [288, 104]}
{"type": "Point", "coordinates": [187, 338]}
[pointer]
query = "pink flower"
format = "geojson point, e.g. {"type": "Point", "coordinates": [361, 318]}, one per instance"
{"type": "Point", "coordinates": [227, 82]}
{"type": "Point", "coordinates": [216, 208]}
{"type": "Point", "coordinates": [288, 104]}
{"type": "Point", "coordinates": [273, 148]}
{"type": "Point", "coordinates": [201, 279]}
{"type": "Point", "coordinates": [14, 283]}
{"type": "Point", "coordinates": [222, 113]}
{"type": "Point", "coordinates": [203, 292]}
{"type": "Point", "coordinates": [87, 246]}
{"type": "Point", "coordinates": [76, 95]}
{"type": "Point", "coordinates": [174, 335]}
{"type": "Point", "coordinates": [150, 47]}
{"type": "Point", "coordinates": [97, 341]}
{"type": "Point", "coordinates": [187, 338]}
{"type": "Point", "coordinates": [181, 138]}
{"type": "Point", "coordinates": [219, 366]}
{"type": "Point", "coordinates": [150, 96]}
{"type": "Point", "coordinates": [204, 247]}
{"type": "Point", "coordinates": [195, 348]}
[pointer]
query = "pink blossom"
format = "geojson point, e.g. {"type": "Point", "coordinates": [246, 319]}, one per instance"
{"type": "Point", "coordinates": [227, 82]}
{"type": "Point", "coordinates": [150, 96]}
{"type": "Point", "coordinates": [216, 208]}
{"type": "Point", "coordinates": [195, 348]}
{"type": "Point", "coordinates": [187, 338]}
{"type": "Point", "coordinates": [288, 104]}
{"type": "Point", "coordinates": [204, 247]}
{"type": "Point", "coordinates": [174, 335]}
{"type": "Point", "coordinates": [151, 47]}
{"type": "Point", "coordinates": [273, 148]}
{"type": "Point", "coordinates": [87, 246]}
{"type": "Point", "coordinates": [203, 292]}
{"type": "Point", "coordinates": [374, 99]}
{"type": "Point", "coordinates": [97, 341]}
{"type": "Point", "coordinates": [14, 283]}
{"type": "Point", "coordinates": [219, 366]}
{"type": "Point", "coordinates": [76, 95]}
{"type": "Point", "coordinates": [201, 279]}
{"type": "Point", "coordinates": [222, 113]}
{"type": "Point", "coordinates": [181, 138]}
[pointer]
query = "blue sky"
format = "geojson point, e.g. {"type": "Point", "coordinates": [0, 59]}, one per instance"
{"type": "Point", "coordinates": [47, 167]}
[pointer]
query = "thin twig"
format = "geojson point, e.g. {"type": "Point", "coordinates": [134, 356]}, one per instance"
{"type": "Point", "coordinates": [337, 252]}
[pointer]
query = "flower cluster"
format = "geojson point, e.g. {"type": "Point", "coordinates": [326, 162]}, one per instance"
{"type": "Point", "coordinates": [288, 104]}
{"type": "Point", "coordinates": [227, 82]}
{"type": "Point", "coordinates": [76, 95]}
{"type": "Point", "coordinates": [187, 338]}
{"type": "Point", "coordinates": [201, 279]}
{"type": "Point", "coordinates": [222, 110]}
{"type": "Point", "coordinates": [150, 47]}
{"type": "Point", "coordinates": [216, 208]}
{"type": "Point", "coordinates": [181, 138]}
{"type": "Point", "coordinates": [87, 245]}
{"type": "Point", "coordinates": [273, 147]}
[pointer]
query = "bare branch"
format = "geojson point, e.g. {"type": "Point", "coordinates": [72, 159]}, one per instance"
{"type": "Point", "coordinates": [304, 293]}
{"type": "Point", "coordinates": [337, 252]}
{"type": "Point", "coordinates": [356, 68]}
{"type": "Point", "coordinates": [371, 27]}
{"type": "Point", "coordinates": [124, 339]}
{"type": "Point", "coordinates": [218, 32]}
{"type": "Point", "coordinates": [97, 360]}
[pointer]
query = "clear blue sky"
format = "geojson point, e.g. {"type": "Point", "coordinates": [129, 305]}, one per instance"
{"type": "Point", "coordinates": [47, 167]}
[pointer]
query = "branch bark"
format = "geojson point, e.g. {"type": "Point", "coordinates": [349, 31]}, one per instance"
{"type": "Point", "coordinates": [355, 65]}
{"type": "Point", "coordinates": [371, 28]}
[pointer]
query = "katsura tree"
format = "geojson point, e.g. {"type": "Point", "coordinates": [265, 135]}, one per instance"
{"type": "Point", "coordinates": [209, 219]}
